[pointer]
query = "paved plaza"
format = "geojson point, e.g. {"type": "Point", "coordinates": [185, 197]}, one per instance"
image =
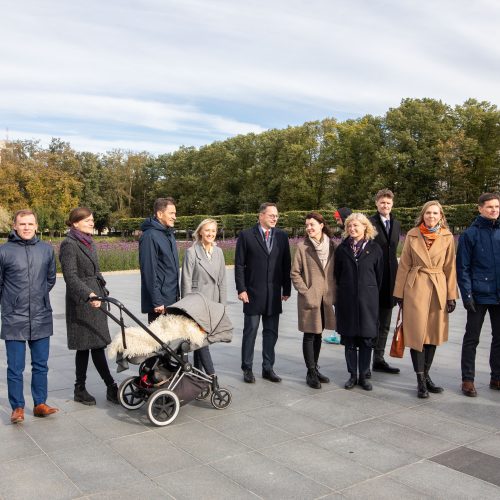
{"type": "Point", "coordinates": [278, 441]}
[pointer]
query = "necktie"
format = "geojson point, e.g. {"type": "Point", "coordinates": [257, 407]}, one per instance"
{"type": "Point", "coordinates": [267, 235]}
{"type": "Point", "coordinates": [387, 226]}
{"type": "Point", "coordinates": [268, 239]}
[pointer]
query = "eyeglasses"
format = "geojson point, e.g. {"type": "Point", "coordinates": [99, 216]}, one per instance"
{"type": "Point", "coordinates": [273, 216]}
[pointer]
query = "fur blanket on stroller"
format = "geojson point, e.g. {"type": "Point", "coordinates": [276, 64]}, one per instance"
{"type": "Point", "coordinates": [169, 328]}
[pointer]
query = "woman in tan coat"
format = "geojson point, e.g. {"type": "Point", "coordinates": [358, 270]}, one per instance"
{"type": "Point", "coordinates": [312, 277]}
{"type": "Point", "coordinates": [426, 287]}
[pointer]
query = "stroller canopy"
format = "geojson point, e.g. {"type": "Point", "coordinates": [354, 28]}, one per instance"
{"type": "Point", "coordinates": [211, 316]}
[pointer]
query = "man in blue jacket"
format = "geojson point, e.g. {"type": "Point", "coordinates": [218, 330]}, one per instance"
{"type": "Point", "coordinates": [27, 274]}
{"type": "Point", "coordinates": [159, 260]}
{"type": "Point", "coordinates": [478, 272]}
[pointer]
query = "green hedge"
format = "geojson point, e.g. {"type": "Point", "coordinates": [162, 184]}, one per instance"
{"type": "Point", "coordinates": [458, 216]}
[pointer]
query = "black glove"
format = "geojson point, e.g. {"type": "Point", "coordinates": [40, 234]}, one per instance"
{"type": "Point", "coordinates": [470, 305]}
{"type": "Point", "coordinates": [451, 304]}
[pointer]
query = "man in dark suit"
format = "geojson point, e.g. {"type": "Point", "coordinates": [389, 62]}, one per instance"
{"type": "Point", "coordinates": [158, 260]}
{"type": "Point", "coordinates": [262, 274]}
{"type": "Point", "coordinates": [389, 231]}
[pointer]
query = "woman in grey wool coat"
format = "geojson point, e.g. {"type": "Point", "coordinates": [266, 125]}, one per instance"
{"type": "Point", "coordinates": [87, 326]}
{"type": "Point", "coordinates": [204, 271]}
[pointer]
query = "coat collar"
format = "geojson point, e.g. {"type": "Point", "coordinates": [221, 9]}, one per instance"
{"type": "Point", "coordinates": [312, 251]}
{"type": "Point", "coordinates": [421, 248]}
{"type": "Point", "coordinates": [260, 240]}
{"type": "Point", "coordinates": [381, 226]}
{"type": "Point", "coordinates": [87, 251]}
{"type": "Point", "coordinates": [206, 264]}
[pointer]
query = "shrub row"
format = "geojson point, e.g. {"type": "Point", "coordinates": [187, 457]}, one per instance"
{"type": "Point", "coordinates": [458, 217]}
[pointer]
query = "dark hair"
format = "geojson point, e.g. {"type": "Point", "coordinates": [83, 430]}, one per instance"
{"type": "Point", "coordinates": [487, 197]}
{"type": "Point", "coordinates": [161, 204]}
{"type": "Point", "coordinates": [23, 213]}
{"type": "Point", "coordinates": [78, 214]}
{"type": "Point", "coordinates": [384, 193]}
{"type": "Point", "coordinates": [265, 206]}
{"type": "Point", "coordinates": [319, 218]}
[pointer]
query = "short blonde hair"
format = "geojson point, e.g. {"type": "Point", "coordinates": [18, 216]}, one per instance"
{"type": "Point", "coordinates": [370, 231]}
{"type": "Point", "coordinates": [426, 205]}
{"type": "Point", "coordinates": [204, 222]}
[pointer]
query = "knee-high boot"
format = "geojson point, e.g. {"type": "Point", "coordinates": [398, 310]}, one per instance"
{"type": "Point", "coordinates": [430, 350]}
{"type": "Point", "coordinates": [317, 348]}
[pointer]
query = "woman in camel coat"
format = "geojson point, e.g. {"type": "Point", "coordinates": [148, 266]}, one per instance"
{"type": "Point", "coordinates": [312, 277]}
{"type": "Point", "coordinates": [426, 286]}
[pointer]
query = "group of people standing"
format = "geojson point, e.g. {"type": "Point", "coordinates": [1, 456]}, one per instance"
{"type": "Point", "coordinates": [351, 287]}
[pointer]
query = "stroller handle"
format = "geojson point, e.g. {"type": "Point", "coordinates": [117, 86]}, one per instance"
{"type": "Point", "coordinates": [111, 300]}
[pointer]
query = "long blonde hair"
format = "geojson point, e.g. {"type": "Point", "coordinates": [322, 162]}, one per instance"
{"type": "Point", "coordinates": [204, 222]}
{"type": "Point", "coordinates": [426, 205]}
{"type": "Point", "coordinates": [370, 231]}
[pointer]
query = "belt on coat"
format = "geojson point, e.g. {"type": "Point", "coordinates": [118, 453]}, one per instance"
{"type": "Point", "coordinates": [431, 272]}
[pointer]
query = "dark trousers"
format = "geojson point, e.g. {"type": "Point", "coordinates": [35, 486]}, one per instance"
{"type": "Point", "coordinates": [100, 362]}
{"type": "Point", "coordinates": [311, 347]}
{"type": "Point", "coordinates": [384, 318]}
{"type": "Point", "coordinates": [471, 340]}
{"type": "Point", "coordinates": [16, 362]}
{"type": "Point", "coordinates": [203, 360]}
{"type": "Point", "coordinates": [358, 359]}
{"type": "Point", "coordinates": [422, 360]}
{"type": "Point", "coordinates": [269, 338]}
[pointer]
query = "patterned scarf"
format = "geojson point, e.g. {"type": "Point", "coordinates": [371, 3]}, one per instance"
{"type": "Point", "coordinates": [84, 238]}
{"type": "Point", "coordinates": [430, 234]}
{"type": "Point", "coordinates": [356, 248]}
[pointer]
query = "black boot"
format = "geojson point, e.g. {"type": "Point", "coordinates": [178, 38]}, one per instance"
{"type": "Point", "coordinates": [112, 393]}
{"type": "Point", "coordinates": [82, 396]}
{"type": "Point", "coordinates": [364, 384]}
{"type": "Point", "coordinates": [431, 386]}
{"type": "Point", "coordinates": [322, 378]}
{"type": "Point", "coordinates": [422, 386]}
{"type": "Point", "coordinates": [351, 382]}
{"type": "Point", "coordinates": [312, 379]}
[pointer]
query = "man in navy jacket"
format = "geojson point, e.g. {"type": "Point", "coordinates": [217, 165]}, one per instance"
{"type": "Point", "coordinates": [27, 274]}
{"type": "Point", "coordinates": [262, 274]}
{"type": "Point", "coordinates": [478, 272]}
{"type": "Point", "coordinates": [159, 260]}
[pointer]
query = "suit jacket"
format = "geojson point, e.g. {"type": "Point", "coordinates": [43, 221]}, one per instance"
{"type": "Point", "coordinates": [389, 244]}
{"type": "Point", "coordinates": [205, 276]}
{"type": "Point", "coordinates": [315, 286]}
{"type": "Point", "coordinates": [358, 285]}
{"type": "Point", "coordinates": [264, 275]}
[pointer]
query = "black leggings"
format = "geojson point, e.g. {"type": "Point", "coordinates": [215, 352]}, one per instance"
{"type": "Point", "coordinates": [100, 362]}
{"type": "Point", "coordinates": [311, 346]}
{"type": "Point", "coordinates": [422, 360]}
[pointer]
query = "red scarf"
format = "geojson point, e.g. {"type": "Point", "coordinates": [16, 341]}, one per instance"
{"type": "Point", "coordinates": [429, 236]}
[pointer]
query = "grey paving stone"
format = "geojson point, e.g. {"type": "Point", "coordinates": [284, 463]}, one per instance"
{"type": "Point", "coordinates": [490, 445]}
{"type": "Point", "coordinates": [96, 468]}
{"type": "Point", "coordinates": [27, 478]}
{"type": "Point", "coordinates": [318, 464]}
{"type": "Point", "coordinates": [192, 438]}
{"type": "Point", "coordinates": [15, 443]}
{"type": "Point", "coordinates": [438, 481]}
{"type": "Point", "coordinates": [472, 462]}
{"type": "Point", "coordinates": [144, 490]}
{"type": "Point", "coordinates": [269, 479]}
{"type": "Point", "coordinates": [383, 488]}
{"type": "Point", "coordinates": [152, 454]}
{"type": "Point", "coordinates": [405, 438]}
{"type": "Point", "coordinates": [202, 482]}
{"type": "Point", "coordinates": [370, 454]}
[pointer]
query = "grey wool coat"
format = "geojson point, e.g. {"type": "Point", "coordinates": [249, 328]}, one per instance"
{"type": "Point", "coordinates": [315, 286]}
{"type": "Point", "coordinates": [87, 327]}
{"type": "Point", "coordinates": [204, 276]}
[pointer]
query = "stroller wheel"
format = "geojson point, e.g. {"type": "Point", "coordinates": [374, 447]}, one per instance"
{"type": "Point", "coordinates": [163, 407]}
{"type": "Point", "coordinates": [221, 399]}
{"type": "Point", "coordinates": [204, 394]}
{"type": "Point", "coordinates": [129, 394]}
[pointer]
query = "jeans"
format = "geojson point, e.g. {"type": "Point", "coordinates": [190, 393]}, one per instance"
{"type": "Point", "coordinates": [16, 362]}
{"type": "Point", "coordinates": [269, 338]}
{"type": "Point", "coordinates": [471, 340]}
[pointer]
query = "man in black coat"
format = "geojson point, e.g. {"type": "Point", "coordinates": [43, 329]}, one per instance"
{"type": "Point", "coordinates": [389, 231]}
{"type": "Point", "coordinates": [27, 274]}
{"type": "Point", "coordinates": [262, 274]}
{"type": "Point", "coordinates": [159, 260]}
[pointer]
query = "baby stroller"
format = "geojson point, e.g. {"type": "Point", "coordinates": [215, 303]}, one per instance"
{"type": "Point", "coordinates": [166, 379]}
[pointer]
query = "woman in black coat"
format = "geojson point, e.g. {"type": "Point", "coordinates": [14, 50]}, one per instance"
{"type": "Point", "coordinates": [87, 325]}
{"type": "Point", "coordinates": [358, 271]}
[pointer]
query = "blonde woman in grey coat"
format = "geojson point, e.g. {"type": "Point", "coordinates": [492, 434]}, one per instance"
{"type": "Point", "coordinates": [312, 277]}
{"type": "Point", "coordinates": [204, 271]}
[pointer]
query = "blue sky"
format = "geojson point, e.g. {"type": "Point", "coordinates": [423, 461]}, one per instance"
{"type": "Point", "coordinates": [156, 74]}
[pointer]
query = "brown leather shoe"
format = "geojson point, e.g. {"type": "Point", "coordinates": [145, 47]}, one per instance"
{"type": "Point", "coordinates": [17, 416]}
{"type": "Point", "coordinates": [42, 410]}
{"type": "Point", "coordinates": [468, 388]}
{"type": "Point", "coordinates": [495, 385]}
